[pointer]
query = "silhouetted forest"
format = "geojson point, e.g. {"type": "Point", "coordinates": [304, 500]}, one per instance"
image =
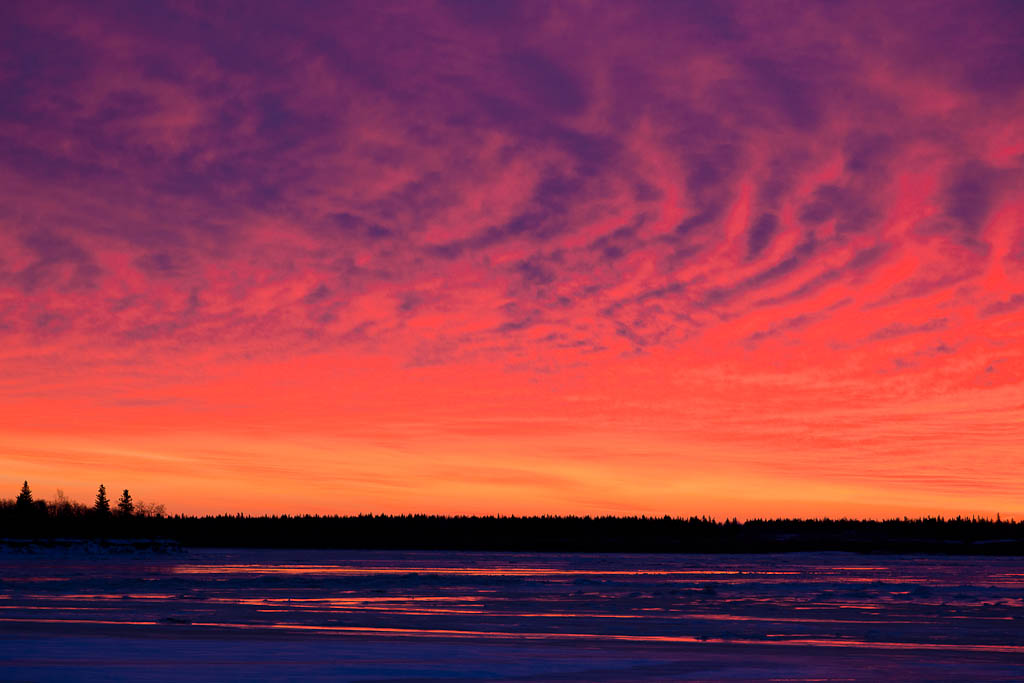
{"type": "Point", "coordinates": [27, 518]}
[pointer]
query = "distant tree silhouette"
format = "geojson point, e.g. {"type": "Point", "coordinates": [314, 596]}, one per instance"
{"type": "Point", "coordinates": [102, 505]}
{"type": "Point", "coordinates": [144, 509]}
{"type": "Point", "coordinates": [124, 504]}
{"type": "Point", "coordinates": [24, 501]}
{"type": "Point", "coordinates": [64, 519]}
{"type": "Point", "coordinates": [62, 506]}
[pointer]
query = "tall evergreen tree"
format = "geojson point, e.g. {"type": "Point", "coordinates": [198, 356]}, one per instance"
{"type": "Point", "coordinates": [125, 506]}
{"type": "Point", "coordinates": [25, 497]}
{"type": "Point", "coordinates": [102, 505]}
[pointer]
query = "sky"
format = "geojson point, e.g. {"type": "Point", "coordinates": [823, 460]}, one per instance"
{"type": "Point", "coordinates": [580, 257]}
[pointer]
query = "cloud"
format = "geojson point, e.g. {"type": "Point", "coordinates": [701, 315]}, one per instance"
{"type": "Point", "coordinates": [796, 322]}
{"type": "Point", "coordinates": [797, 258]}
{"type": "Point", "coordinates": [160, 263]}
{"type": "Point", "coordinates": [546, 83]}
{"type": "Point", "coordinates": [661, 172]}
{"type": "Point", "coordinates": [1014, 303]}
{"type": "Point", "coordinates": [969, 196]}
{"type": "Point", "coordinates": [786, 325]}
{"type": "Point", "coordinates": [902, 329]}
{"type": "Point", "coordinates": [355, 227]}
{"type": "Point", "coordinates": [59, 263]}
{"type": "Point", "coordinates": [760, 234]}
{"type": "Point", "coordinates": [855, 267]}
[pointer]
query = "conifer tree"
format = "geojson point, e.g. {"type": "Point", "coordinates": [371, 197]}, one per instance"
{"type": "Point", "coordinates": [125, 506]}
{"type": "Point", "coordinates": [25, 497]}
{"type": "Point", "coordinates": [102, 505]}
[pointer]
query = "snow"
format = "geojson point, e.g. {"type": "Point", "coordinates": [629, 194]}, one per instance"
{"type": "Point", "coordinates": [362, 616]}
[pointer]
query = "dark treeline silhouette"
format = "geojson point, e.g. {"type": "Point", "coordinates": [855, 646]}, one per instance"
{"type": "Point", "coordinates": [598, 534]}
{"type": "Point", "coordinates": [29, 518]}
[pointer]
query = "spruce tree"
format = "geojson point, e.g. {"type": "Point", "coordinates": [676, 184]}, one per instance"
{"type": "Point", "coordinates": [125, 506]}
{"type": "Point", "coordinates": [25, 497]}
{"type": "Point", "coordinates": [102, 505]}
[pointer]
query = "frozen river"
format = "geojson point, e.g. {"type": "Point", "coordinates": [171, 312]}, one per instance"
{"type": "Point", "coordinates": [385, 616]}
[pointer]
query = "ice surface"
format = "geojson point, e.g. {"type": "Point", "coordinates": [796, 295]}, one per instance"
{"type": "Point", "coordinates": [363, 616]}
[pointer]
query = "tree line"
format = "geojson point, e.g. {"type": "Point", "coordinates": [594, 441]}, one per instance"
{"type": "Point", "coordinates": [26, 517]}
{"type": "Point", "coordinates": [26, 505]}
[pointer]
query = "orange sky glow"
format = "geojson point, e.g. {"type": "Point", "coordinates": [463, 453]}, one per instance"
{"type": "Point", "coordinates": [727, 259]}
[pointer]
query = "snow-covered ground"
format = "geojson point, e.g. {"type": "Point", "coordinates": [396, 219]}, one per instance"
{"type": "Point", "coordinates": [376, 616]}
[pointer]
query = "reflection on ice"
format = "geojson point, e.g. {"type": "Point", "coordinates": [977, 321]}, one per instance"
{"type": "Point", "coordinates": [800, 601]}
{"type": "Point", "coordinates": [320, 569]}
{"type": "Point", "coordinates": [769, 638]}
